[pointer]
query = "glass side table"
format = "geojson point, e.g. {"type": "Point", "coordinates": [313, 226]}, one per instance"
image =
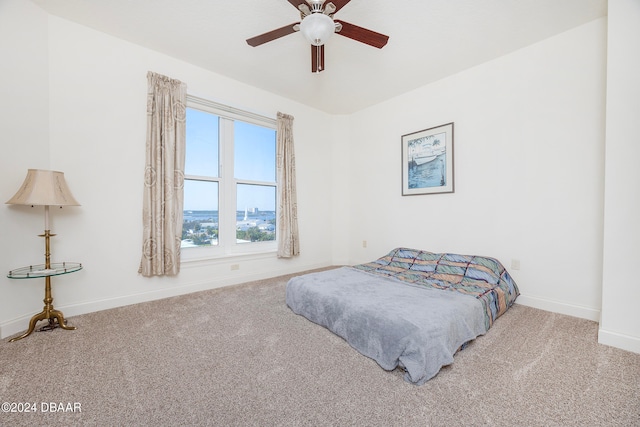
{"type": "Point", "coordinates": [55, 317]}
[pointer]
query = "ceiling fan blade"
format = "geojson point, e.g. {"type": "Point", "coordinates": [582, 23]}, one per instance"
{"type": "Point", "coordinates": [363, 35]}
{"type": "Point", "coordinates": [297, 3]}
{"type": "Point", "coordinates": [317, 58]}
{"type": "Point", "coordinates": [339, 4]}
{"type": "Point", "coordinates": [271, 35]}
{"type": "Point", "coordinates": [329, 8]}
{"type": "Point", "coordinates": [304, 10]}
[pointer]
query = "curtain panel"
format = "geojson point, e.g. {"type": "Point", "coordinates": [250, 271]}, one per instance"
{"type": "Point", "coordinates": [288, 240]}
{"type": "Point", "coordinates": [164, 176]}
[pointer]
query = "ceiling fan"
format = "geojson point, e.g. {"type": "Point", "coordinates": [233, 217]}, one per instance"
{"type": "Point", "coordinates": [317, 25]}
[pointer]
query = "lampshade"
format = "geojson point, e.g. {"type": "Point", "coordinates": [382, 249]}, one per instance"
{"type": "Point", "coordinates": [44, 188]}
{"type": "Point", "coordinates": [317, 28]}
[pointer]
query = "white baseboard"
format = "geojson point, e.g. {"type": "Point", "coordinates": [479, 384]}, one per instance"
{"type": "Point", "coordinates": [610, 338]}
{"type": "Point", "coordinates": [614, 339]}
{"type": "Point", "coordinates": [559, 307]}
{"type": "Point", "coordinates": [21, 324]}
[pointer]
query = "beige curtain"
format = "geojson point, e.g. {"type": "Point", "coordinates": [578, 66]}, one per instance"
{"type": "Point", "coordinates": [288, 241]}
{"type": "Point", "coordinates": [163, 176]}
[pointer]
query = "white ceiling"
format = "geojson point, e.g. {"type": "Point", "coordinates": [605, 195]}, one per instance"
{"type": "Point", "coordinates": [428, 40]}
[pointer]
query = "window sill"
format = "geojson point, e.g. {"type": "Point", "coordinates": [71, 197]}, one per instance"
{"type": "Point", "coordinates": [196, 259]}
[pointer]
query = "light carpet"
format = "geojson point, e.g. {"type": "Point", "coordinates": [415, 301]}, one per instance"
{"type": "Point", "coordinates": [238, 356]}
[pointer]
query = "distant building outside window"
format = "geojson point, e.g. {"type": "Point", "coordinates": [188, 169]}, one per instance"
{"type": "Point", "coordinates": [230, 181]}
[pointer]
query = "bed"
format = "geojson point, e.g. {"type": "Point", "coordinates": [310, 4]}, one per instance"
{"type": "Point", "coordinates": [410, 309]}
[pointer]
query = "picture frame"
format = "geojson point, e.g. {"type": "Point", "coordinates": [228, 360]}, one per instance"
{"type": "Point", "coordinates": [427, 161]}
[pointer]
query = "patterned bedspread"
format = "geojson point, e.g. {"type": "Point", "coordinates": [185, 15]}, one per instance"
{"type": "Point", "coordinates": [484, 278]}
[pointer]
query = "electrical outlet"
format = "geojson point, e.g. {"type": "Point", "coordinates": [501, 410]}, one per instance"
{"type": "Point", "coordinates": [515, 264]}
{"type": "Point", "coordinates": [364, 243]}
{"type": "Point", "coordinates": [235, 266]}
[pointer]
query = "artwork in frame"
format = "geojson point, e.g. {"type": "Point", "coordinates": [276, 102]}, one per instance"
{"type": "Point", "coordinates": [427, 161]}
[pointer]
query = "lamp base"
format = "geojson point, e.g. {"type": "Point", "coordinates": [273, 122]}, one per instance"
{"type": "Point", "coordinates": [48, 312]}
{"type": "Point", "coordinates": [53, 324]}
{"type": "Point", "coordinates": [55, 318]}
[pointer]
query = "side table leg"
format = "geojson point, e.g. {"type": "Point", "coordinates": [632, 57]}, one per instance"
{"type": "Point", "coordinates": [32, 325]}
{"type": "Point", "coordinates": [61, 320]}
{"type": "Point", "coordinates": [47, 313]}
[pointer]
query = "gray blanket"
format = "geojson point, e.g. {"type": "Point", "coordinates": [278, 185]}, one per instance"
{"type": "Point", "coordinates": [392, 322]}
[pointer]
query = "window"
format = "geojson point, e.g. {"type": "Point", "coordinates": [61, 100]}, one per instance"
{"type": "Point", "coordinates": [230, 181]}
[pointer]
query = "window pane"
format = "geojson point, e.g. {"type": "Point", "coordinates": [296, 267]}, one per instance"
{"type": "Point", "coordinates": [200, 222]}
{"type": "Point", "coordinates": [256, 213]}
{"type": "Point", "coordinates": [255, 152]}
{"type": "Point", "coordinates": [202, 144]}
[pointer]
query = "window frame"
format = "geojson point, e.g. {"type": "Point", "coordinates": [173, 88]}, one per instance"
{"type": "Point", "coordinates": [227, 184]}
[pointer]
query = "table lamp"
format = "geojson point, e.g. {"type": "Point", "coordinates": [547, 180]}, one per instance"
{"type": "Point", "coordinates": [45, 188]}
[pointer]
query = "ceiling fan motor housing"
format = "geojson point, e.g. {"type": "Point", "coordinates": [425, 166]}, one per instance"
{"type": "Point", "coordinates": [316, 5]}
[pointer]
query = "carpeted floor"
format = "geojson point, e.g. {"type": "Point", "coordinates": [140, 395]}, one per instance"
{"type": "Point", "coordinates": [238, 356]}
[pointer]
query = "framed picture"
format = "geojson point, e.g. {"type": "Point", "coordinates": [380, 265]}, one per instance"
{"type": "Point", "coordinates": [427, 161]}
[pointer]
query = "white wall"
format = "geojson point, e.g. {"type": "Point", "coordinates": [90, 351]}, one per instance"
{"type": "Point", "coordinates": [529, 143]}
{"type": "Point", "coordinates": [93, 125]}
{"type": "Point", "coordinates": [337, 177]}
{"type": "Point", "coordinates": [620, 324]}
{"type": "Point", "coordinates": [24, 130]}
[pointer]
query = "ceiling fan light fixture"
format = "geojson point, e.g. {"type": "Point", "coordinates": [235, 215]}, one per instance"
{"type": "Point", "coordinates": [317, 28]}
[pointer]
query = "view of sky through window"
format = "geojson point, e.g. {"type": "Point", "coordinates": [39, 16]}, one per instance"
{"type": "Point", "coordinates": [202, 143]}
{"type": "Point", "coordinates": [254, 160]}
